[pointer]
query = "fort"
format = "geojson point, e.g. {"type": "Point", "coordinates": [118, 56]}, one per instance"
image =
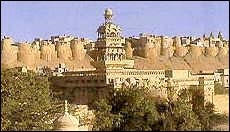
{"type": "Point", "coordinates": [80, 65]}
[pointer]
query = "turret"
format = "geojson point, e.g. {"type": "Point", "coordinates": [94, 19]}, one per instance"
{"type": "Point", "coordinates": [204, 36]}
{"type": "Point", "coordinates": [181, 51]}
{"type": "Point", "coordinates": [48, 52]}
{"type": "Point", "coordinates": [220, 36]}
{"type": "Point", "coordinates": [77, 48]}
{"type": "Point", "coordinates": [211, 36]}
{"type": "Point", "coordinates": [63, 51]}
{"type": "Point", "coordinates": [195, 50]}
{"type": "Point", "coordinates": [110, 44]}
{"type": "Point", "coordinates": [8, 52]}
{"type": "Point", "coordinates": [26, 54]}
{"type": "Point", "coordinates": [211, 51]}
{"type": "Point", "coordinates": [6, 43]}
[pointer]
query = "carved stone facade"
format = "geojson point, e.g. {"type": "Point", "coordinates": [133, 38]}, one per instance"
{"type": "Point", "coordinates": [114, 69]}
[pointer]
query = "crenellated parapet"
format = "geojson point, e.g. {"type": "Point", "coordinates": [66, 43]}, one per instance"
{"type": "Point", "coordinates": [42, 53]}
{"type": "Point", "coordinates": [181, 52]}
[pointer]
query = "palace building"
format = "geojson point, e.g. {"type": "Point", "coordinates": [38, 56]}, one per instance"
{"type": "Point", "coordinates": [80, 65]}
{"type": "Point", "coordinates": [113, 69]}
{"type": "Point", "coordinates": [84, 70]}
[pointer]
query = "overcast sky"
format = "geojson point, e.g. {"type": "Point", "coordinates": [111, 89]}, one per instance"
{"type": "Point", "coordinates": [25, 21]}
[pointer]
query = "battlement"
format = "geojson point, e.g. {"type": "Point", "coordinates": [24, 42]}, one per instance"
{"type": "Point", "coordinates": [112, 50]}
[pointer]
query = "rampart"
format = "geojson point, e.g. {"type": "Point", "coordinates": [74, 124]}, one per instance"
{"type": "Point", "coordinates": [50, 55]}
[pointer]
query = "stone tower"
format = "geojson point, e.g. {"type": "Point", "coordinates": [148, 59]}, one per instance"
{"type": "Point", "coordinates": [110, 51]}
{"type": "Point", "coordinates": [8, 52]}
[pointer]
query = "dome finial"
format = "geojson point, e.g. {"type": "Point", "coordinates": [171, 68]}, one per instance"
{"type": "Point", "coordinates": [66, 107]}
{"type": "Point", "coordinates": [108, 15]}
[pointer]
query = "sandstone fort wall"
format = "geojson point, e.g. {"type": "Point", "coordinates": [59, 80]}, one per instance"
{"type": "Point", "coordinates": [74, 55]}
{"type": "Point", "coordinates": [24, 54]}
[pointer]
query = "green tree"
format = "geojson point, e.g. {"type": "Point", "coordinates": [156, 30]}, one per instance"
{"type": "Point", "coordinates": [205, 110]}
{"type": "Point", "coordinates": [177, 114]}
{"type": "Point", "coordinates": [136, 108]}
{"type": "Point", "coordinates": [127, 109]}
{"type": "Point", "coordinates": [206, 116]}
{"type": "Point", "coordinates": [219, 89]}
{"type": "Point", "coordinates": [26, 101]}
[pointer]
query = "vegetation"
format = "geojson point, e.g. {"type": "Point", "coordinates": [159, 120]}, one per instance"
{"type": "Point", "coordinates": [29, 103]}
{"type": "Point", "coordinates": [136, 109]}
{"type": "Point", "coordinates": [178, 114]}
{"type": "Point", "coordinates": [126, 110]}
{"type": "Point", "coordinates": [26, 101]}
{"type": "Point", "coordinates": [219, 89]}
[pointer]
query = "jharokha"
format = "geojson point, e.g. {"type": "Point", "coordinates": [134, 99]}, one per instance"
{"type": "Point", "coordinates": [80, 65]}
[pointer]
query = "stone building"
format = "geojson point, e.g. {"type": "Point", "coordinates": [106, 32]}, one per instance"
{"type": "Point", "coordinates": [224, 77]}
{"type": "Point", "coordinates": [88, 69]}
{"type": "Point", "coordinates": [114, 69]}
{"type": "Point", "coordinates": [113, 60]}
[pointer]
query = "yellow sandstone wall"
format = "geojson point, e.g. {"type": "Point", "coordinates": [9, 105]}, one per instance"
{"type": "Point", "coordinates": [26, 54]}
{"type": "Point", "coordinates": [221, 103]}
{"type": "Point", "coordinates": [77, 50]}
{"type": "Point", "coordinates": [129, 50]}
{"type": "Point", "coordinates": [158, 53]}
{"type": "Point", "coordinates": [48, 52]}
{"type": "Point", "coordinates": [211, 51]}
{"type": "Point", "coordinates": [180, 51]}
{"type": "Point", "coordinates": [8, 53]}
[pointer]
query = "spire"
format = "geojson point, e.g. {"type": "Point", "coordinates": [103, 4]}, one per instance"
{"type": "Point", "coordinates": [211, 35]}
{"type": "Point", "coordinates": [66, 107]}
{"type": "Point", "coordinates": [220, 36]}
{"type": "Point", "coordinates": [204, 36]}
{"type": "Point", "coordinates": [66, 122]}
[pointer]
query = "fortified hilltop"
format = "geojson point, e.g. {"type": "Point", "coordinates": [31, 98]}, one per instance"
{"type": "Point", "coordinates": [84, 70]}
{"type": "Point", "coordinates": [148, 51]}
{"type": "Point", "coordinates": [112, 50]}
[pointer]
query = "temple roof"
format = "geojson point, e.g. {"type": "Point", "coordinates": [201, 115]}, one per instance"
{"type": "Point", "coordinates": [66, 121]}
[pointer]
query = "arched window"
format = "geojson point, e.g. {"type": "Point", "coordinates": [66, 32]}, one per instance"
{"type": "Point", "coordinates": [116, 56]}
{"type": "Point", "coordinates": [120, 57]}
{"type": "Point", "coordinates": [102, 35]}
{"type": "Point", "coordinates": [112, 34]}
{"type": "Point", "coordinates": [111, 56]}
